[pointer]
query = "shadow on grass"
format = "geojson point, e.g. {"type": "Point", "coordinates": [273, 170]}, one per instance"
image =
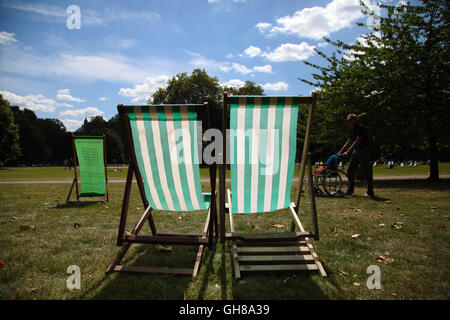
{"type": "Point", "coordinates": [278, 285]}
{"type": "Point", "coordinates": [76, 204]}
{"type": "Point", "coordinates": [140, 286]}
{"type": "Point", "coordinates": [419, 184]}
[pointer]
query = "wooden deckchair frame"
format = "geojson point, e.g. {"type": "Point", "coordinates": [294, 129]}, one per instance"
{"type": "Point", "coordinates": [188, 239]}
{"type": "Point", "coordinates": [265, 250]}
{"type": "Point", "coordinates": [76, 163]}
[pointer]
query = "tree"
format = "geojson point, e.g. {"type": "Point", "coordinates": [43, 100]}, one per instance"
{"type": "Point", "coordinates": [249, 88]}
{"type": "Point", "coordinates": [9, 133]}
{"type": "Point", "coordinates": [32, 141]}
{"type": "Point", "coordinates": [396, 78]}
{"type": "Point", "coordinates": [197, 88]}
{"type": "Point", "coordinates": [98, 126]}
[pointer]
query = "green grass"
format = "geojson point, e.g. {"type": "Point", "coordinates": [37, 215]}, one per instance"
{"type": "Point", "coordinates": [114, 172]}
{"type": "Point", "coordinates": [37, 258]}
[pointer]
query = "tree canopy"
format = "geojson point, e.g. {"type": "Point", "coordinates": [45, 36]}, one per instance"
{"type": "Point", "coordinates": [396, 78]}
{"type": "Point", "coordinates": [9, 133]}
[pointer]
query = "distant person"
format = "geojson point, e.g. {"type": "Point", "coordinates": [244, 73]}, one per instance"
{"type": "Point", "coordinates": [358, 148]}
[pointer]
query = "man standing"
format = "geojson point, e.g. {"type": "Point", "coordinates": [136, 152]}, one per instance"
{"type": "Point", "coordinates": [358, 148]}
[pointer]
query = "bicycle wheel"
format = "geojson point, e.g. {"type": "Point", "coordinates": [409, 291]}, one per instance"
{"type": "Point", "coordinates": [335, 183]}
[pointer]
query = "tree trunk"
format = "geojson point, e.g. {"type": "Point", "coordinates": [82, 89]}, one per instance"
{"type": "Point", "coordinates": [434, 168]}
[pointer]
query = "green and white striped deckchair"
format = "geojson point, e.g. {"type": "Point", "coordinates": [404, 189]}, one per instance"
{"type": "Point", "coordinates": [164, 143]}
{"type": "Point", "coordinates": [90, 157]}
{"type": "Point", "coordinates": [262, 152]}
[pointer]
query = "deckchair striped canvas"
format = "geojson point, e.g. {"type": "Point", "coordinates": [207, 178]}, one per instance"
{"type": "Point", "coordinates": [263, 134]}
{"type": "Point", "coordinates": [165, 140]}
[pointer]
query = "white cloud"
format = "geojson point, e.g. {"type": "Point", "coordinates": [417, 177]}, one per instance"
{"type": "Point", "coordinates": [290, 52]}
{"type": "Point", "coordinates": [266, 69]}
{"type": "Point", "coordinates": [141, 92]}
{"type": "Point", "coordinates": [263, 27]}
{"type": "Point", "coordinates": [7, 37]}
{"type": "Point", "coordinates": [252, 51]}
{"type": "Point", "coordinates": [103, 98]}
{"type": "Point", "coordinates": [277, 86]}
{"type": "Point", "coordinates": [72, 124]}
{"type": "Point", "coordinates": [316, 22]}
{"type": "Point", "coordinates": [200, 61]}
{"type": "Point", "coordinates": [106, 67]}
{"type": "Point", "coordinates": [88, 17]}
{"type": "Point", "coordinates": [33, 102]}
{"type": "Point", "coordinates": [85, 112]}
{"type": "Point", "coordinates": [64, 94]}
{"type": "Point", "coordinates": [233, 83]}
{"type": "Point", "coordinates": [240, 68]}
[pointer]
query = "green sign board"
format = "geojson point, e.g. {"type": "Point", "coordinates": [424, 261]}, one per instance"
{"type": "Point", "coordinates": [92, 166]}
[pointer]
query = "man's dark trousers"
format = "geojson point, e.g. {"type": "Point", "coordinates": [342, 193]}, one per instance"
{"type": "Point", "coordinates": [361, 157]}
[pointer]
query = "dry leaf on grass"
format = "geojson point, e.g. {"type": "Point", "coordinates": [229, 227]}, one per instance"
{"type": "Point", "coordinates": [384, 259]}
{"type": "Point", "coordinates": [356, 210]}
{"type": "Point", "coordinates": [396, 225]}
{"type": "Point", "coordinates": [26, 227]}
{"type": "Point", "coordinates": [76, 225]}
{"type": "Point", "coordinates": [335, 229]}
{"type": "Point", "coordinates": [162, 248]}
{"type": "Point", "coordinates": [2, 264]}
{"type": "Point", "coordinates": [388, 201]}
{"type": "Point", "coordinates": [242, 282]}
{"type": "Point", "coordinates": [356, 284]}
{"type": "Point", "coordinates": [276, 225]}
{"type": "Point", "coordinates": [355, 236]}
{"type": "Point", "coordinates": [343, 272]}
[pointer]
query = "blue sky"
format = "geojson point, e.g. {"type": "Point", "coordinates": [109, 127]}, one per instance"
{"type": "Point", "coordinates": [125, 50]}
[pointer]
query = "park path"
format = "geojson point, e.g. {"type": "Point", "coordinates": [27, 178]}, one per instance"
{"type": "Point", "coordinates": [381, 178]}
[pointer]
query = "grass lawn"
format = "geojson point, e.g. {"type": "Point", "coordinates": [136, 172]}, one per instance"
{"type": "Point", "coordinates": [408, 224]}
{"type": "Point", "coordinates": [115, 172]}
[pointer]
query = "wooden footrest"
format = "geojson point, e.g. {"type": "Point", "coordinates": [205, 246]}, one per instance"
{"type": "Point", "coordinates": [251, 256]}
{"type": "Point", "coordinates": [153, 270]}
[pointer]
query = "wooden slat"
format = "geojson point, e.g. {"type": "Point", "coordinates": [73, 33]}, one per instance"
{"type": "Point", "coordinates": [171, 234]}
{"type": "Point", "coordinates": [280, 236]}
{"type": "Point", "coordinates": [166, 240]}
{"type": "Point", "coordinates": [241, 243]}
{"type": "Point", "coordinates": [272, 250]}
{"type": "Point", "coordinates": [237, 272]}
{"type": "Point", "coordinates": [153, 270]}
{"type": "Point", "coordinates": [281, 267]}
{"type": "Point", "coordinates": [276, 259]}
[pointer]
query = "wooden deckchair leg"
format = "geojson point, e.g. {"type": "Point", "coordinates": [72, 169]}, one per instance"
{"type": "Point", "coordinates": [126, 200]}
{"type": "Point", "coordinates": [70, 191]}
{"type": "Point", "coordinates": [312, 200]}
{"type": "Point", "coordinates": [127, 245]}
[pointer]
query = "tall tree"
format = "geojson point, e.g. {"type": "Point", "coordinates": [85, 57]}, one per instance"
{"type": "Point", "coordinates": [249, 88]}
{"type": "Point", "coordinates": [199, 87]}
{"type": "Point", "coordinates": [396, 78]}
{"type": "Point", "coordinates": [9, 133]}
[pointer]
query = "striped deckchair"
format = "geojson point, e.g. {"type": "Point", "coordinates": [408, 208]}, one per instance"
{"type": "Point", "coordinates": [164, 145]}
{"type": "Point", "coordinates": [89, 154]}
{"type": "Point", "coordinates": [262, 151]}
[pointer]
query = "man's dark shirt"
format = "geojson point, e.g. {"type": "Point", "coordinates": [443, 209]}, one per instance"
{"type": "Point", "coordinates": [359, 130]}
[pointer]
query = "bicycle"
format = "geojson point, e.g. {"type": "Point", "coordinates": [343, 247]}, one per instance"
{"type": "Point", "coordinates": [333, 180]}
